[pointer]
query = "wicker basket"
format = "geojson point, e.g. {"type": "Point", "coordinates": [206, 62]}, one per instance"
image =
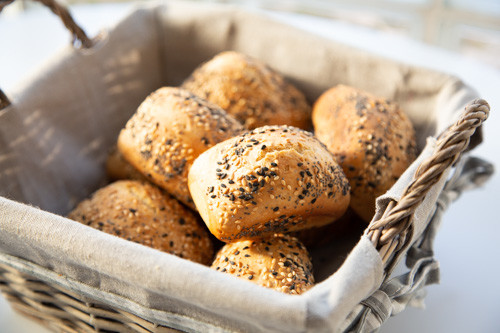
{"type": "Point", "coordinates": [64, 307]}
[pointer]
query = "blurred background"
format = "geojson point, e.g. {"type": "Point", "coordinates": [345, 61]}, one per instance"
{"type": "Point", "coordinates": [461, 37]}
{"type": "Point", "coordinates": [468, 27]}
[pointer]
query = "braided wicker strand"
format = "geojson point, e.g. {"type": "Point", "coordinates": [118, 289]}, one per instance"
{"type": "Point", "coordinates": [68, 21]}
{"type": "Point", "coordinates": [389, 234]}
{"type": "Point", "coordinates": [4, 101]}
{"type": "Point", "coordinates": [78, 34]}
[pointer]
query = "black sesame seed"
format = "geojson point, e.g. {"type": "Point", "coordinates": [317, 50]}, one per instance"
{"type": "Point", "coordinates": [223, 270]}
{"type": "Point", "coordinates": [236, 253]}
{"type": "Point", "coordinates": [182, 221]}
{"type": "Point", "coordinates": [210, 189]}
{"type": "Point", "coordinates": [230, 181]}
{"type": "Point", "coordinates": [274, 164]}
{"type": "Point", "coordinates": [250, 277]}
{"type": "Point", "coordinates": [213, 196]}
{"type": "Point", "coordinates": [263, 147]}
{"type": "Point", "coordinates": [132, 210]}
{"type": "Point", "coordinates": [275, 209]}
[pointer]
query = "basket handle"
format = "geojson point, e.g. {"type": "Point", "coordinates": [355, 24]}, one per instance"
{"type": "Point", "coordinates": [391, 233]}
{"type": "Point", "coordinates": [79, 37]}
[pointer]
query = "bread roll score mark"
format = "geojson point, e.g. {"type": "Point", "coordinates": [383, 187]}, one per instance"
{"type": "Point", "coordinates": [270, 180]}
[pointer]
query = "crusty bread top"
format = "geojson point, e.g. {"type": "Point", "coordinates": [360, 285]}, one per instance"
{"type": "Point", "coordinates": [280, 262]}
{"type": "Point", "coordinates": [272, 179]}
{"type": "Point", "coordinates": [168, 131]}
{"type": "Point", "coordinates": [142, 213]}
{"type": "Point", "coordinates": [372, 139]}
{"type": "Point", "coordinates": [249, 90]}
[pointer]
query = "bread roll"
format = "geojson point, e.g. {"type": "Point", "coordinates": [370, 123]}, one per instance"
{"type": "Point", "coordinates": [142, 213]}
{"type": "Point", "coordinates": [272, 179]}
{"type": "Point", "coordinates": [117, 168]}
{"type": "Point", "coordinates": [279, 262]}
{"type": "Point", "coordinates": [168, 131]}
{"type": "Point", "coordinates": [372, 139]}
{"type": "Point", "coordinates": [250, 91]}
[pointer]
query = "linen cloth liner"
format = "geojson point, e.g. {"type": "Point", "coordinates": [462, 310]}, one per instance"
{"type": "Point", "coordinates": [55, 136]}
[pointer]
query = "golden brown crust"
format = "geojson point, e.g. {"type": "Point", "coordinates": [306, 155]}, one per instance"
{"type": "Point", "coordinates": [168, 131]}
{"type": "Point", "coordinates": [279, 262]}
{"type": "Point", "coordinates": [142, 213]}
{"type": "Point", "coordinates": [272, 179]}
{"type": "Point", "coordinates": [249, 90]}
{"type": "Point", "coordinates": [371, 138]}
{"type": "Point", "coordinates": [117, 168]}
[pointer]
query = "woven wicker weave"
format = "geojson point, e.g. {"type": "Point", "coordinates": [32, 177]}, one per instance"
{"type": "Point", "coordinates": [62, 310]}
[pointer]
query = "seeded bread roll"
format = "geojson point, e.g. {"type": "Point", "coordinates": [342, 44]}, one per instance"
{"type": "Point", "coordinates": [272, 179]}
{"type": "Point", "coordinates": [279, 262]}
{"type": "Point", "coordinates": [168, 131]}
{"type": "Point", "coordinates": [372, 139]}
{"type": "Point", "coordinates": [118, 168]}
{"type": "Point", "coordinates": [249, 90]}
{"type": "Point", "coordinates": [142, 213]}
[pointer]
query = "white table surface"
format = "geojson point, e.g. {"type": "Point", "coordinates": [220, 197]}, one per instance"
{"type": "Point", "coordinates": [468, 298]}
